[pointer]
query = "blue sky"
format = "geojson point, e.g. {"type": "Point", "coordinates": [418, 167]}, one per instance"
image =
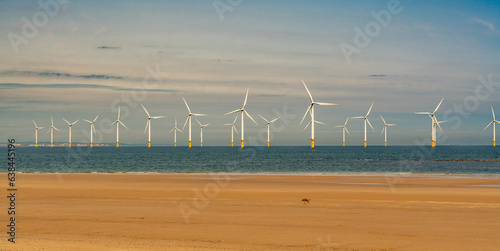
{"type": "Point", "coordinates": [91, 56]}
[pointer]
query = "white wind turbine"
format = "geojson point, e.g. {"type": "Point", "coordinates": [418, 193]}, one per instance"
{"type": "Point", "coordinates": [243, 113]}
{"type": "Point", "coordinates": [92, 129]}
{"type": "Point", "coordinates": [365, 118]}
{"type": "Point", "coordinates": [175, 130]}
{"type": "Point", "coordinates": [434, 123]}
{"type": "Point", "coordinates": [148, 125]}
{"type": "Point", "coordinates": [51, 130]}
{"type": "Point", "coordinates": [36, 133]}
{"type": "Point", "coordinates": [310, 110]}
{"type": "Point", "coordinates": [385, 129]}
{"type": "Point", "coordinates": [344, 130]}
{"type": "Point", "coordinates": [268, 123]}
{"type": "Point", "coordinates": [493, 122]}
{"type": "Point", "coordinates": [201, 131]}
{"type": "Point", "coordinates": [189, 119]}
{"type": "Point", "coordinates": [233, 128]}
{"type": "Point", "coordinates": [118, 123]}
{"type": "Point", "coordinates": [70, 125]}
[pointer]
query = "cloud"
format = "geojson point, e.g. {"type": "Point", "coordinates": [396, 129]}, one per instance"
{"type": "Point", "coordinates": [379, 75]}
{"type": "Point", "coordinates": [71, 86]}
{"type": "Point", "coordinates": [105, 47]}
{"type": "Point", "coordinates": [485, 23]}
{"type": "Point", "coordinates": [60, 74]}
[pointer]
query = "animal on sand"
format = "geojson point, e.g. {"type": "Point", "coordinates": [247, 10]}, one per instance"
{"type": "Point", "coordinates": [306, 200]}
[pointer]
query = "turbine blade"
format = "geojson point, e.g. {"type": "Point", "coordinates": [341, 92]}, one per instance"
{"type": "Point", "coordinates": [274, 120]}
{"type": "Point", "coordinates": [246, 97]}
{"type": "Point", "coordinates": [198, 114]}
{"type": "Point", "coordinates": [197, 121]}
{"type": "Point", "coordinates": [145, 110]}
{"type": "Point", "coordinates": [319, 122]}
{"type": "Point", "coordinates": [383, 119]}
{"type": "Point", "coordinates": [383, 129]}
{"type": "Point", "coordinates": [237, 110]}
{"type": "Point", "coordinates": [250, 117]}
{"type": "Point", "coordinates": [234, 127]}
{"type": "Point", "coordinates": [370, 124]}
{"type": "Point", "coordinates": [309, 93]}
{"type": "Point", "coordinates": [185, 123]}
{"type": "Point", "coordinates": [66, 121]}
{"type": "Point", "coordinates": [438, 106]}
{"type": "Point", "coordinates": [305, 114]}
{"type": "Point", "coordinates": [369, 110]}
{"type": "Point", "coordinates": [493, 112]}
{"type": "Point", "coordinates": [347, 131]}
{"type": "Point", "coordinates": [87, 121]}
{"type": "Point", "coordinates": [357, 117]}
{"type": "Point", "coordinates": [189, 110]}
{"type": "Point", "coordinates": [116, 121]}
{"type": "Point", "coordinates": [426, 113]}
{"type": "Point", "coordinates": [123, 124]}
{"type": "Point", "coordinates": [178, 129]}
{"type": "Point", "coordinates": [95, 118]}
{"type": "Point", "coordinates": [264, 119]}
{"type": "Point", "coordinates": [206, 125]}
{"type": "Point", "coordinates": [147, 124]}
{"type": "Point", "coordinates": [118, 113]}
{"type": "Point", "coordinates": [235, 118]}
{"type": "Point", "coordinates": [158, 117]}
{"type": "Point", "coordinates": [75, 121]}
{"type": "Point", "coordinates": [307, 125]}
{"type": "Point", "coordinates": [346, 121]}
{"type": "Point", "coordinates": [391, 124]}
{"type": "Point", "coordinates": [93, 127]}
{"type": "Point", "coordinates": [319, 103]}
{"type": "Point", "coordinates": [172, 130]}
{"type": "Point", "coordinates": [34, 122]}
{"type": "Point", "coordinates": [56, 129]}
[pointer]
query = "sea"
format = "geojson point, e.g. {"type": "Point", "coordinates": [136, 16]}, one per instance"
{"type": "Point", "coordinates": [275, 159]}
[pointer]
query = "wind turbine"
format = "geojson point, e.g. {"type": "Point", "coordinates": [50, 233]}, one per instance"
{"type": "Point", "coordinates": [70, 125]}
{"type": "Point", "coordinates": [51, 130]}
{"type": "Point", "coordinates": [492, 122]}
{"type": "Point", "coordinates": [243, 112]}
{"type": "Point", "coordinates": [148, 125]}
{"type": "Point", "coordinates": [385, 129]}
{"type": "Point", "coordinates": [365, 118]}
{"type": "Point", "coordinates": [268, 122]}
{"type": "Point", "coordinates": [175, 129]}
{"type": "Point", "coordinates": [233, 128]}
{"type": "Point", "coordinates": [310, 110]}
{"type": "Point", "coordinates": [201, 131]}
{"type": "Point", "coordinates": [189, 119]}
{"type": "Point", "coordinates": [434, 123]}
{"type": "Point", "coordinates": [344, 130]}
{"type": "Point", "coordinates": [36, 133]}
{"type": "Point", "coordinates": [92, 129]}
{"type": "Point", "coordinates": [117, 122]}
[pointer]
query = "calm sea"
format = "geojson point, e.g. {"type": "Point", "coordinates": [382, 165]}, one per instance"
{"type": "Point", "coordinates": [296, 159]}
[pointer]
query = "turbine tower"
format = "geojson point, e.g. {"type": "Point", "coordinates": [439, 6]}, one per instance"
{"type": "Point", "coordinates": [201, 131]}
{"type": "Point", "coordinates": [36, 133]}
{"type": "Point", "coordinates": [434, 122]}
{"type": "Point", "coordinates": [148, 125]}
{"type": "Point", "coordinates": [365, 118]}
{"type": "Point", "coordinates": [92, 129]}
{"type": "Point", "coordinates": [385, 129]}
{"type": "Point", "coordinates": [70, 125]}
{"type": "Point", "coordinates": [189, 119]}
{"type": "Point", "coordinates": [118, 123]}
{"type": "Point", "coordinates": [493, 122]}
{"type": "Point", "coordinates": [268, 123]}
{"type": "Point", "coordinates": [233, 128]}
{"type": "Point", "coordinates": [51, 130]}
{"type": "Point", "coordinates": [243, 113]}
{"type": "Point", "coordinates": [175, 129]}
{"type": "Point", "coordinates": [344, 130]}
{"type": "Point", "coordinates": [310, 110]}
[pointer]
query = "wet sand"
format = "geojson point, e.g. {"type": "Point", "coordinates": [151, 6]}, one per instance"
{"type": "Point", "coordinates": [254, 212]}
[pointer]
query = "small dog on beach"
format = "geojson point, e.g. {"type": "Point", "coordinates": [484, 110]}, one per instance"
{"type": "Point", "coordinates": [306, 200]}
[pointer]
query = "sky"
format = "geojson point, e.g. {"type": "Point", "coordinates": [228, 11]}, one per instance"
{"type": "Point", "coordinates": [77, 59]}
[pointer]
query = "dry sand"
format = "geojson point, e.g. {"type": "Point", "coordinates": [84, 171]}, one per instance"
{"type": "Point", "coordinates": [254, 212]}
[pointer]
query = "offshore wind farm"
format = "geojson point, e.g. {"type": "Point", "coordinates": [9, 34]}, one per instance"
{"type": "Point", "coordinates": [306, 125]}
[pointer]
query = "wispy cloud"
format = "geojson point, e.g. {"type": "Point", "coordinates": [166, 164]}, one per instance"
{"type": "Point", "coordinates": [485, 23]}
{"type": "Point", "coordinates": [378, 75]}
{"type": "Point", "coordinates": [105, 47]}
{"type": "Point", "coordinates": [61, 74]}
{"type": "Point", "coordinates": [72, 86]}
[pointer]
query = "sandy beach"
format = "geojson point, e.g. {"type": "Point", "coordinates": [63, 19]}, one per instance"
{"type": "Point", "coordinates": [255, 212]}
